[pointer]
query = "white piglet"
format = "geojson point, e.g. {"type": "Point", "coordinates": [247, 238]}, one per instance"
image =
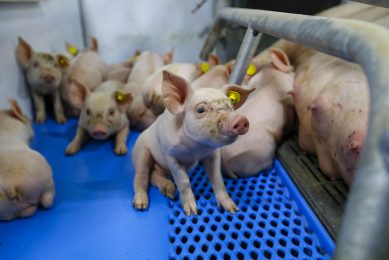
{"type": "Point", "coordinates": [270, 112]}
{"type": "Point", "coordinates": [192, 128]}
{"type": "Point", "coordinates": [103, 114]}
{"type": "Point", "coordinates": [26, 179]}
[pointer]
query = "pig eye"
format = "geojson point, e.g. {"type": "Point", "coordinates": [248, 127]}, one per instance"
{"type": "Point", "coordinates": [88, 112]}
{"type": "Point", "coordinates": [111, 112]}
{"type": "Point", "coordinates": [35, 64]}
{"type": "Point", "coordinates": [200, 109]}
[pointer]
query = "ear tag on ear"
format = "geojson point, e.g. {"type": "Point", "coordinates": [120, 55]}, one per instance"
{"type": "Point", "coordinates": [62, 60]}
{"type": "Point", "coordinates": [72, 50]}
{"type": "Point", "coordinates": [233, 96]}
{"type": "Point", "coordinates": [204, 67]}
{"type": "Point", "coordinates": [120, 96]}
{"type": "Point", "coordinates": [251, 70]}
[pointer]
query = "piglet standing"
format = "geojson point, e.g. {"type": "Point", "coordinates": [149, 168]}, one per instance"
{"type": "Point", "coordinates": [87, 68]}
{"type": "Point", "coordinates": [44, 74]}
{"type": "Point", "coordinates": [192, 128]}
{"type": "Point", "coordinates": [25, 176]}
{"type": "Point", "coordinates": [103, 113]}
{"type": "Point", "coordinates": [270, 112]}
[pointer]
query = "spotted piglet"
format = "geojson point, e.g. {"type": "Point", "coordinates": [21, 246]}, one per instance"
{"type": "Point", "coordinates": [44, 73]}
{"type": "Point", "coordinates": [192, 128]}
{"type": "Point", "coordinates": [103, 114]}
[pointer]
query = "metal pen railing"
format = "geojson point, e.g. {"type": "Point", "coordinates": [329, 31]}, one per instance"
{"type": "Point", "coordinates": [365, 232]}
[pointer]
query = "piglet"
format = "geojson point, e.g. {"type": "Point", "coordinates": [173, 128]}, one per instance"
{"type": "Point", "coordinates": [25, 176]}
{"type": "Point", "coordinates": [103, 113]}
{"type": "Point", "coordinates": [152, 88]}
{"type": "Point", "coordinates": [121, 71]}
{"type": "Point", "coordinates": [145, 65]}
{"type": "Point", "coordinates": [87, 68]}
{"type": "Point", "coordinates": [192, 128]}
{"type": "Point", "coordinates": [270, 111]}
{"type": "Point", "coordinates": [44, 74]}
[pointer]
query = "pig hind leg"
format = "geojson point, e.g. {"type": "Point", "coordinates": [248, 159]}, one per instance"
{"type": "Point", "coordinates": [162, 182]}
{"type": "Point", "coordinates": [143, 161]}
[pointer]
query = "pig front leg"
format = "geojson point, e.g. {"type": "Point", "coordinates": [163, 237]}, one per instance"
{"type": "Point", "coordinates": [58, 109]}
{"type": "Point", "coordinates": [164, 184]}
{"type": "Point", "coordinates": [212, 167]}
{"type": "Point", "coordinates": [39, 103]}
{"type": "Point", "coordinates": [143, 161]}
{"type": "Point", "coordinates": [121, 140]}
{"type": "Point", "coordinates": [182, 181]}
{"type": "Point", "coordinates": [79, 139]}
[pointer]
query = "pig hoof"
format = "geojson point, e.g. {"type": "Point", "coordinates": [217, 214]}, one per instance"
{"type": "Point", "coordinates": [229, 205]}
{"type": "Point", "coordinates": [168, 190]}
{"type": "Point", "coordinates": [72, 149]}
{"type": "Point", "coordinates": [61, 119]}
{"type": "Point", "coordinates": [141, 200]}
{"type": "Point", "coordinates": [28, 212]}
{"type": "Point", "coordinates": [190, 207]}
{"type": "Point", "coordinates": [121, 149]}
{"type": "Point", "coordinates": [40, 118]}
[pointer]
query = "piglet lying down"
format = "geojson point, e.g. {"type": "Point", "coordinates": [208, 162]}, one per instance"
{"type": "Point", "coordinates": [25, 176]}
{"type": "Point", "coordinates": [195, 124]}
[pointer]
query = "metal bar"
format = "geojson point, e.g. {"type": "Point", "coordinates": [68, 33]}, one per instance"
{"type": "Point", "coordinates": [364, 232]}
{"type": "Point", "coordinates": [246, 53]}
{"type": "Point", "coordinates": [383, 3]}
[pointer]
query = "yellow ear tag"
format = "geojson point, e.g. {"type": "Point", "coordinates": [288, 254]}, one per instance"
{"type": "Point", "coordinates": [73, 50]}
{"type": "Point", "coordinates": [62, 60]}
{"type": "Point", "coordinates": [251, 70]}
{"type": "Point", "coordinates": [204, 67]}
{"type": "Point", "coordinates": [120, 96]}
{"type": "Point", "coordinates": [233, 96]}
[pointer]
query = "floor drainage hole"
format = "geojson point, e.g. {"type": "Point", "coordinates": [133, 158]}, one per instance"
{"type": "Point", "coordinates": [204, 248]}
{"type": "Point", "coordinates": [269, 243]}
{"type": "Point", "coordinates": [209, 237]}
{"type": "Point", "coordinates": [184, 239]}
{"type": "Point", "coordinates": [240, 256]}
{"type": "Point", "coordinates": [177, 230]}
{"type": "Point", "coordinates": [234, 235]}
{"type": "Point", "coordinates": [213, 227]}
{"type": "Point", "coordinates": [307, 251]}
{"type": "Point", "coordinates": [308, 240]}
{"type": "Point", "coordinates": [267, 254]}
{"type": "Point", "coordinates": [218, 247]}
{"type": "Point", "coordinates": [226, 227]}
{"type": "Point", "coordinates": [196, 238]}
{"type": "Point", "coordinates": [281, 253]}
{"type": "Point", "coordinates": [295, 241]}
{"type": "Point", "coordinates": [259, 234]}
{"type": "Point", "coordinates": [246, 234]}
{"type": "Point", "coordinates": [257, 244]}
{"type": "Point", "coordinates": [244, 245]}
{"type": "Point", "coordinates": [250, 225]}
{"type": "Point", "coordinates": [294, 252]}
{"type": "Point", "coordinates": [172, 240]}
{"type": "Point", "coordinates": [218, 219]}
{"type": "Point", "coordinates": [189, 229]}
{"type": "Point", "coordinates": [206, 219]}
{"type": "Point", "coordinates": [272, 233]}
{"type": "Point", "coordinates": [178, 250]}
{"type": "Point", "coordinates": [222, 236]}
{"type": "Point", "coordinates": [230, 246]}
{"type": "Point", "coordinates": [191, 249]}
{"type": "Point", "coordinates": [273, 223]}
{"type": "Point", "coordinates": [283, 242]}
{"type": "Point", "coordinates": [253, 255]}
{"type": "Point", "coordinates": [229, 218]}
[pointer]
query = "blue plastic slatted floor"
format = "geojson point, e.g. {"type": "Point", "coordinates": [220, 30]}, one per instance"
{"type": "Point", "coordinates": [92, 217]}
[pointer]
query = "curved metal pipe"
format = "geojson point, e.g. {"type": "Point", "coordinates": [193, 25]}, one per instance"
{"type": "Point", "coordinates": [365, 231]}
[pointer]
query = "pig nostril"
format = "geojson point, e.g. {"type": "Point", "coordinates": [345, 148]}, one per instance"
{"type": "Point", "coordinates": [246, 125]}
{"type": "Point", "coordinates": [236, 126]}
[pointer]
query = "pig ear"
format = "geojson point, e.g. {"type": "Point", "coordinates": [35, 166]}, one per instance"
{"type": "Point", "coordinates": [230, 67]}
{"type": "Point", "coordinates": [94, 44]}
{"type": "Point", "coordinates": [24, 52]}
{"type": "Point", "coordinates": [16, 112]}
{"type": "Point", "coordinates": [280, 60]}
{"type": "Point", "coordinates": [213, 59]}
{"type": "Point", "coordinates": [168, 57]}
{"type": "Point", "coordinates": [237, 95]}
{"type": "Point", "coordinates": [63, 61]}
{"type": "Point", "coordinates": [122, 99]}
{"type": "Point", "coordinates": [175, 91]}
{"type": "Point", "coordinates": [78, 93]}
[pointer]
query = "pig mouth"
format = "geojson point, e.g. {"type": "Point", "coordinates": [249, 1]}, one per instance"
{"type": "Point", "coordinates": [99, 132]}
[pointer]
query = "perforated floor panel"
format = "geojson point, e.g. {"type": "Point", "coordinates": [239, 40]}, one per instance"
{"type": "Point", "coordinates": [269, 225]}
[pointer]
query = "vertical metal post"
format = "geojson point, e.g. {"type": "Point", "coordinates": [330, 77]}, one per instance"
{"type": "Point", "coordinates": [246, 52]}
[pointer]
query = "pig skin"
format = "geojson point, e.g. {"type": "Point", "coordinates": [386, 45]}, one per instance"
{"type": "Point", "coordinates": [25, 176]}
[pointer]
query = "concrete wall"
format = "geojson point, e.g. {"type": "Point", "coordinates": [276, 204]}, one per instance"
{"type": "Point", "coordinates": [46, 25]}
{"type": "Point", "coordinates": [122, 26]}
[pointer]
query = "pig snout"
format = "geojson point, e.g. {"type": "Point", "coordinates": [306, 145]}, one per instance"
{"type": "Point", "coordinates": [236, 125]}
{"type": "Point", "coordinates": [99, 132]}
{"type": "Point", "coordinates": [48, 78]}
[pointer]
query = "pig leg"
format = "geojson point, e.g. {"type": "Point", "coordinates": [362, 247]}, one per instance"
{"type": "Point", "coordinates": [79, 139]}
{"type": "Point", "coordinates": [58, 109]}
{"type": "Point", "coordinates": [212, 167]}
{"type": "Point", "coordinates": [39, 103]}
{"type": "Point", "coordinates": [121, 140]}
{"type": "Point", "coordinates": [183, 184]}
{"type": "Point", "coordinates": [142, 159]}
{"type": "Point", "coordinates": [165, 186]}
